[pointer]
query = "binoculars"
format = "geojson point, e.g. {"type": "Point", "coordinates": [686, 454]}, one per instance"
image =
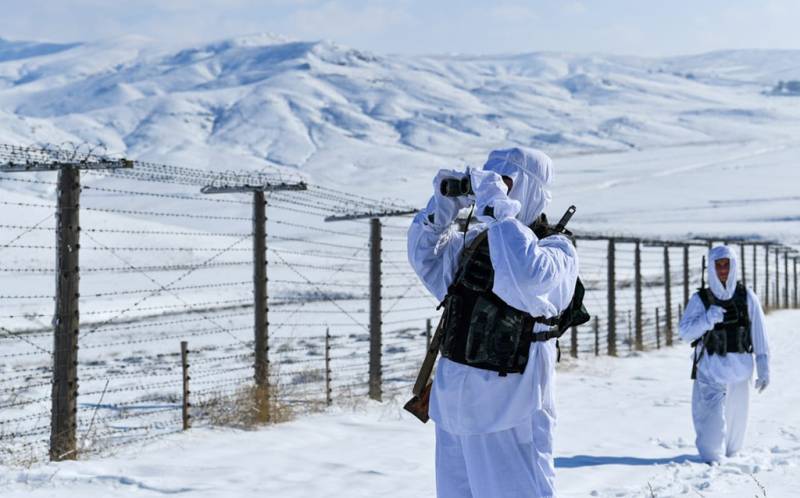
{"type": "Point", "coordinates": [456, 187]}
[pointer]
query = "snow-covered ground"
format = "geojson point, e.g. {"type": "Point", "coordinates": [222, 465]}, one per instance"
{"type": "Point", "coordinates": [624, 429]}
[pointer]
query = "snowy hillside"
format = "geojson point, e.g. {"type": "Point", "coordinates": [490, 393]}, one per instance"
{"type": "Point", "coordinates": [385, 123]}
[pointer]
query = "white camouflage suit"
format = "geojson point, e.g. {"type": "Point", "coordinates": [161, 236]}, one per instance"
{"type": "Point", "coordinates": [493, 433]}
{"type": "Point", "coordinates": [721, 392]}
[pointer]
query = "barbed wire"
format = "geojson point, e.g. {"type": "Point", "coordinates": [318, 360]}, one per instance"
{"type": "Point", "coordinates": [322, 293]}
{"type": "Point", "coordinates": [167, 214]}
{"type": "Point", "coordinates": [167, 232]}
{"type": "Point", "coordinates": [292, 355]}
{"type": "Point", "coordinates": [163, 288]}
{"type": "Point", "coordinates": [204, 198]}
{"type": "Point", "coordinates": [182, 305]}
{"type": "Point", "coordinates": [26, 231]}
{"type": "Point", "coordinates": [18, 337]}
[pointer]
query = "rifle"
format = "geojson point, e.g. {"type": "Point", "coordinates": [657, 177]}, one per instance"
{"type": "Point", "coordinates": [418, 405]}
{"type": "Point", "coordinates": [695, 356]}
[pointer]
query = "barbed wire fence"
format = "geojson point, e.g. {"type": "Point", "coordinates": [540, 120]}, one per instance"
{"type": "Point", "coordinates": [342, 317]}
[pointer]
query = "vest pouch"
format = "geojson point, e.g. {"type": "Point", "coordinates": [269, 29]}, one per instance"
{"type": "Point", "coordinates": [479, 276]}
{"type": "Point", "coordinates": [737, 340]}
{"type": "Point", "coordinates": [494, 335]}
{"type": "Point", "coordinates": [717, 342]}
{"type": "Point", "coordinates": [453, 309]}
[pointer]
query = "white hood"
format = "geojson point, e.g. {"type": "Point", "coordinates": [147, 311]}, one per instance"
{"type": "Point", "coordinates": [532, 172]}
{"type": "Point", "coordinates": [722, 292]}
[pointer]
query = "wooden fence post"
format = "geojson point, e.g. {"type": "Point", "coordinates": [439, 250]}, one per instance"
{"type": "Point", "coordinates": [744, 267]}
{"type": "Point", "coordinates": [260, 307]}
{"type": "Point", "coordinates": [766, 277]}
{"type": "Point", "coordinates": [796, 303]}
{"type": "Point", "coordinates": [658, 330]}
{"type": "Point", "coordinates": [755, 269]}
{"type": "Point", "coordinates": [64, 398]}
{"type": "Point", "coordinates": [612, 301]}
{"type": "Point", "coordinates": [667, 296]}
{"type": "Point", "coordinates": [777, 277]}
{"type": "Point", "coordinates": [573, 334]}
{"type": "Point", "coordinates": [630, 332]}
{"type": "Point", "coordinates": [685, 274]}
{"type": "Point", "coordinates": [637, 287]}
{"type": "Point", "coordinates": [328, 391]}
{"type": "Point", "coordinates": [596, 335]}
{"type": "Point", "coordinates": [703, 273]}
{"type": "Point", "coordinates": [573, 342]}
{"type": "Point", "coordinates": [427, 333]}
{"type": "Point", "coordinates": [786, 279]}
{"type": "Point", "coordinates": [185, 368]}
{"type": "Point", "coordinates": [261, 324]}
{"type": "Point", "coordinates": [375, 310]}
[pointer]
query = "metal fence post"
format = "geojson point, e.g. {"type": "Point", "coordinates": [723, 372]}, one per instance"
{"type": "Point", "coordinates": [637, 286]}
{"type": "Point", "coordinates": [612, 301]}
{"type": "Point", "coordinates": [375, 310]}
{"type": "Point", "coordinates": [328, 392]}
{"type": "Point", "coordinates": [185, 369]}
{"type": "Point", "coordinates": [63, 422]}
{"type": "Point", "coordinates": [667, 297]}
{"type": "Point", "coordinates": [260, 306]}
{"type": "Point", "coordinates": [596, 335]}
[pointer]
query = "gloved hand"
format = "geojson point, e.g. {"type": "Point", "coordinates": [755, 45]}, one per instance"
{"type": "Point", "coordinates": [491, 191]}
{"type": "Point", "coordinates": [762, 370]}
{"type": "Point", "coordinates": [445, 209]}
{"type": "Point", "coordinates": [714, 315]}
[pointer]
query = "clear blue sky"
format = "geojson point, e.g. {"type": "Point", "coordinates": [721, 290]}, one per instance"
{"type": "Point", "coordinates": [645, 27]}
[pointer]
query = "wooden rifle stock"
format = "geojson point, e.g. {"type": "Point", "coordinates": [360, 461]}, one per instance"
{"type": "Point", "coordinates": [419, 404]}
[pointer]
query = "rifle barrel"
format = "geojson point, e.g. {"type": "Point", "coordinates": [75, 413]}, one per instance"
{"type": "Point", "coordinates": [562, 223]}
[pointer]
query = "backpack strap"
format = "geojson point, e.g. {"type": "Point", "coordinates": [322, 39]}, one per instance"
{"type": "Point", "coordinates": [468, 252]}
{"type": "Point", "coordinates": [707, 297]}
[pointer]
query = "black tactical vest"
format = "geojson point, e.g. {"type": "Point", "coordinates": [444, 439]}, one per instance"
{"type": "Point", "coordinates": [483, 331]}
{"type": "Point", "coordinates": [732, 334]}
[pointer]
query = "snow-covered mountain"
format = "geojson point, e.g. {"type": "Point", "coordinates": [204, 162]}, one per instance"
{"type": "Point", "coordinates": [344, 116]}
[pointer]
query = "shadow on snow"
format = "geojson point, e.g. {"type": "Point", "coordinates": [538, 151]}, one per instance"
{"type": "Point", "coordinates": [593, 461]}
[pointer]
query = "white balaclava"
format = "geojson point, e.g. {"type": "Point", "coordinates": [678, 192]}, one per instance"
{"type": "Point", "coordinates": [531, 171]}
{"type": "Point", "coordinates": [722, 292]}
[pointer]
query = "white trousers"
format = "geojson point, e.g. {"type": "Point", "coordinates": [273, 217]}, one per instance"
{"type": "Point", "coordinates": [515, 463]}
{"type": "Point", "coordinates": [719, 412]}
